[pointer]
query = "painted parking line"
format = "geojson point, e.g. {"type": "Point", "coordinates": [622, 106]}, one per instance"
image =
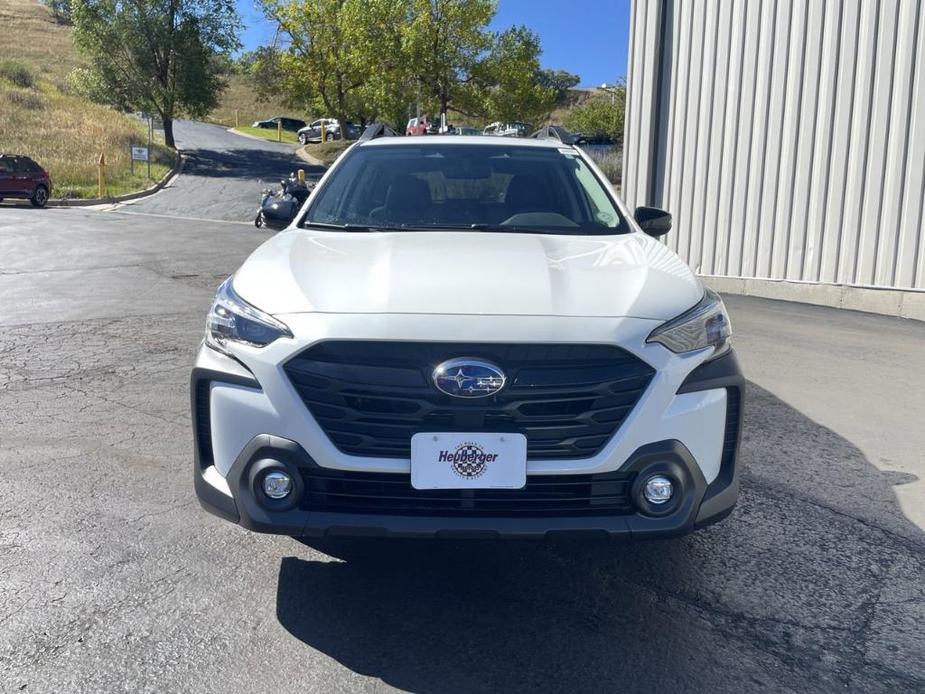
{"type": "Point", "coordinates": [117, 210]}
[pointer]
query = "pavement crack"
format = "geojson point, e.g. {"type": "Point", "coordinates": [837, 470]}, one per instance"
{"type": "Point", "coordinates": [785, 493]}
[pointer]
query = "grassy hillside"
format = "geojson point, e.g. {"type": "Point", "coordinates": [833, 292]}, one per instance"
{"type": "Point", "coordinates": [240, 97]}
{"type": "Point", "coordinates": [42, 118]}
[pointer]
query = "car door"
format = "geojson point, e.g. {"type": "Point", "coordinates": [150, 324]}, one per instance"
{"type": "Point", "coordinates": [6, 176]}
{"type": "Point", "coordinates": [21, 181]}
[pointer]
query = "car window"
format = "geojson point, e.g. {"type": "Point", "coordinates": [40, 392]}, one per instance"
{"type": "Point", "coordinates": [5, 166]}
{"type": "Point", "coordinates": [483, 187]}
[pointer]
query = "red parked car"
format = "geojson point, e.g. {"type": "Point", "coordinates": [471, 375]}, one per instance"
{"type": "Point", "coordinates": [417, 126]}
{"type": "Point", "coordinates": [21, 177]}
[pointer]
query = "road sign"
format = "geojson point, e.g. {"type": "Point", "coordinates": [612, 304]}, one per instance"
{"type": "Point", "coordinates": [139, 153]}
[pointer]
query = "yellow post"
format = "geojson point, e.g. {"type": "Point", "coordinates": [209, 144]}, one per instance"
{"type": "Point", "coordinates": [102, 174]}
{"type": "Point", "coordinates": [236, 124]}
{"type": "Point", "coordinates": [301, 175]}
{"type": "Point", "coordinates": [279, 131]}
{"type": "Point", "coordinates": [323, 129]}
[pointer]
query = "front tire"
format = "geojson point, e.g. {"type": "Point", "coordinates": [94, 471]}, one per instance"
{"type": "Point", "coordinates": [39, 197]}
{"type": "Point", "coordinates": [259, 220]}
{"type": "Point", "coordinates": [303, 139]}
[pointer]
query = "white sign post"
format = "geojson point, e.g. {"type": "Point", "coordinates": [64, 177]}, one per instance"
{"type": "Point", "coordinates": [140, 154]}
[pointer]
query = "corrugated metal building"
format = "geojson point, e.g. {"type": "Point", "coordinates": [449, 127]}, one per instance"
{"type": "Point", "coordinates": [787, 137]}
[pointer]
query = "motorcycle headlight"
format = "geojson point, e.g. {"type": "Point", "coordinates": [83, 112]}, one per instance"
{"type": "Point", "coordinates": [705, 325]}
{"type": "Point", "coordinates": [231, 319]}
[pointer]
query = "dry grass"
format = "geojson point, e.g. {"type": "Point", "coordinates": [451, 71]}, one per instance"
{"type": "Point", "coordinates": [32, 36]}
{"type": "Point", "coordinates": [327, 152]}
{"type": "Point", "coordinates": [61, 131]}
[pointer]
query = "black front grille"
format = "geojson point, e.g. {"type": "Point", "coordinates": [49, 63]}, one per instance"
{"type": "Point", "coordinates": [389, 493]}
{"type": "Point", "coordinates": [371, 397]}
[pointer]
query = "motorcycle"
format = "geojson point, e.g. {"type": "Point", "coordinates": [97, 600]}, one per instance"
{"type": "Point", "coordinates": [279, 208]}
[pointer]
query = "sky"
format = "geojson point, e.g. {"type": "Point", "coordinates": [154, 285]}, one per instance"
{"type": "Point", "coordinates": [588, 38]}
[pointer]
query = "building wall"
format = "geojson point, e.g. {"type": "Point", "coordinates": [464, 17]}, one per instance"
{"type": "Point", "coordinates": [787, 137]}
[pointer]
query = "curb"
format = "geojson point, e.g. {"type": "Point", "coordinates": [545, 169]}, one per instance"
{"type": "Point", "coordinates": [901, 303]}
{"type": "Point", "coordinates": [260, 139]}
{"type": "Point", "coordinates": [165, 180]}
{"type": "Point", "coordinates": [308, 158]}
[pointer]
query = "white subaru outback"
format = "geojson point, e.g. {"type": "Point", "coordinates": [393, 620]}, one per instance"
{"type": "Point", "coordinates": [467, 337]}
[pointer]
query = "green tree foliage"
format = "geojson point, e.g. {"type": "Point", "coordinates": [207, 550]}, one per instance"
{"type": "Point", "coordinates": [602, 115]}
{"type": "Point", "coordinates": [444, 42]}
{"type": "Point", "coordinates": [559, 81]}
{"type": "Point", "coordinates": [504, 83]}
{"type": "Point", "coordinates": [337, 52]}
{"type": "Point", "coordinates": [60, 10]}
{"type": "Point", "coordinates": [157, 55]}
{"type": "Point", "coordinates": [366, 59]}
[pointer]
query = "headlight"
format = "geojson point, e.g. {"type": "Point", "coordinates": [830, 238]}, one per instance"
{"type": "Point", "coordinates": [705, 325]}
{"type": "Point", "coordinates": [231, 319]}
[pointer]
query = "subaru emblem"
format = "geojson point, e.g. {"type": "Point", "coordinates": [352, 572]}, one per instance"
{"type": "Point", "coordinates": [468, 378]}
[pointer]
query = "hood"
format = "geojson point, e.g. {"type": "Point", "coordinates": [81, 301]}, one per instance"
{"type": "Point", "coordinates": [630, 275]}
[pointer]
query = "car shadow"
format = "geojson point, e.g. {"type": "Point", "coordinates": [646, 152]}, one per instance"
{"type": "Point", "coordinates": [790, 592]}
{"type": "Point", "coordinates": [245, 164]}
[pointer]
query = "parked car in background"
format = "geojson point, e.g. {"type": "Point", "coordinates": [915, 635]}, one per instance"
{"type": "Point", "coordinates": [312, 131]}
{"type": "Point", "coordinates": [21, 177]}
{"type": "Point", "coordinates": [291, 124]}
{"type": "Point", "coordinates": [459, 130]}
{"type": "Point", "coordinates": [417, 126]}
{"type": "Point", "coordinates": [513, 129]}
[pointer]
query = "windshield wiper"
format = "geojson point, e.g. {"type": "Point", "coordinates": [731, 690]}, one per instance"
{"type": "Point", "coordinates": [347, 227]}
{"type": "Point", "coordinates": [375, 228]}
{"type": "Point", "coordinates": [510, 229]}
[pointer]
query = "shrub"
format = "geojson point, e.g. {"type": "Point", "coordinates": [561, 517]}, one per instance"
{"type": "Point", "coordinates": [17, 73]}
{"type": "Point", "coordinates": [599, 117]}
{"type": "Point", "coordinates": [25, 99]}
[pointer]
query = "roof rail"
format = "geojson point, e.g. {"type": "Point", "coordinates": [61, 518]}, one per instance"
{"type": "Point", "coordinates": [548, 132]}
{"type": "Point", "coordinates": [559, 134]}
{"type": "Point", "coordinates": [376, 130]}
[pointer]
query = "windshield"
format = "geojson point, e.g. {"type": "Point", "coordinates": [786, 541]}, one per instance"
{"type": "Point", "coordinates": [479, 187]}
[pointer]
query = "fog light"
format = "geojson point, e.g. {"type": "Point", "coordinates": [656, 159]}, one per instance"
{"type": "Point", "coordinates": [658, 490]}
{"type": "Point", "coordinates": [277, 485]}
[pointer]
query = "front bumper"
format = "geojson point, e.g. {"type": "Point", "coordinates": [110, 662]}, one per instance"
{"type": "Point", "coordinates": [229, 487]}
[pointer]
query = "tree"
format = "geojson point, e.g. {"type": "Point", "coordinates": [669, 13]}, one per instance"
{"type": "Point", "coordinates": [318, 63]}
{"type": "Point", "coordinates": [558, 80]}
{"type": "Point", "coordinates": [444, 41]}
{"type": "Point", "coordinates": [504, 82]}
{"type": "Point", "coordinates": [460, 63]}
{"type": "Point", "coordinates": [372, 58]}
{"type": "Point", "coordinates": [344, 56]}
{"type": "Point", "coordinates": [60, 10]}
{"type": "Point", "coordinates": [157, 55]}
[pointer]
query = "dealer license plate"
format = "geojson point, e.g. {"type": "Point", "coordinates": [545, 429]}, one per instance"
{"type": "Point", "coordinates": [468, 461]}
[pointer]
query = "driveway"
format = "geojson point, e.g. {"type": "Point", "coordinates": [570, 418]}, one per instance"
{"type": "Point", "coordinates": [223, 175]}
{"type": "Point", "coordinates": [113, 579]}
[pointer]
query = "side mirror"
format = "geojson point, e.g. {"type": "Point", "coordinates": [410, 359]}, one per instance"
{"type": "Point", "coordinates": [278, 214]}
{"type": "Point", "coordinates": [653, 221]}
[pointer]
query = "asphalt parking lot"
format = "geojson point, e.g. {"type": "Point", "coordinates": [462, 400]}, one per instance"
{"type": "Point", "coordinates": [112, 578]}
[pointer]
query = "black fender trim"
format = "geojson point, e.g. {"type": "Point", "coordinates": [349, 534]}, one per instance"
{"type": "Point", "coordinates": [722, 372]}
{"type": "Point", "coordinates": [210, 498]}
